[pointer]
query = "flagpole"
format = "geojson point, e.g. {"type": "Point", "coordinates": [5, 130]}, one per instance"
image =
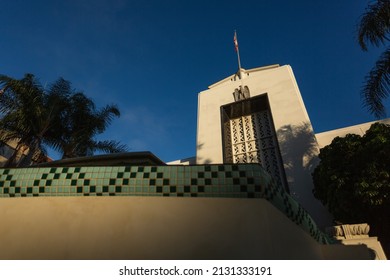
{"type": "Point", "coordinates": [238, 53]}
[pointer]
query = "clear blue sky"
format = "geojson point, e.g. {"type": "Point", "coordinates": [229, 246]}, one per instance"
{"type": "Point", "coordinates": [152, 58]}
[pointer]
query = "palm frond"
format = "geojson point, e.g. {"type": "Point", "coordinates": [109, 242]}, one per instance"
{"type": "Point", "coordinates": [60, 87]}
{"type": "Point", "coordinates": [374, 24]}
{"type": "Point", "coordinates": [105, 116]}
{"type": "Point", "coordinates": [377, 86]}
{"type": "Point", "coordinates": [110, 146]}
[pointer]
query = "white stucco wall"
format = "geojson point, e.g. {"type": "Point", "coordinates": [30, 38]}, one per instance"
{"type": "Point", "coordinates": [296, 138]}
{"type": "Point", "coordinates": [325, 138]}
{"type": "Point", "coordinates": [155, 228]}
{"type": "Point", "coordinates": [285, 100]}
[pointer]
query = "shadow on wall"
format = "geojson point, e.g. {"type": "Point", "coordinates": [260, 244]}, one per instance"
{"type": "Point", "coordinates": [200, 160]}
{"type": "Point", "coordinates": [299, 150]}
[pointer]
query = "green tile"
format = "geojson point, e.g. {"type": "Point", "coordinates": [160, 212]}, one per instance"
{"type": "Point", "coordinates": [114, 169]}
{"type": "Point", "coordinates": [159, 169]}
{"type": "Point", "coordinates": [121, 169]}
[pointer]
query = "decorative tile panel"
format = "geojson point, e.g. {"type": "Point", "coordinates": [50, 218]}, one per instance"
{"type": "Point", "coordinates": [227, 180]}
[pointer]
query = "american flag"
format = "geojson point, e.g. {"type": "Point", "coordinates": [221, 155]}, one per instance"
{"type": "Point", "coordinates": [235, 41]}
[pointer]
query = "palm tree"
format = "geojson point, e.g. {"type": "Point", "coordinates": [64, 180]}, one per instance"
{"type": "Point", "coordinates": [374, 28]}
{"type": "Point", "coordinates": [58, 118]}
{"type": "Point", "coordinates": [81, 123]}
{"type": "Point", "coordinates": [24, 119]}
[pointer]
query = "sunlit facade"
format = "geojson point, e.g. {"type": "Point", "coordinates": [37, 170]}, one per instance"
{"type": "Point", "coordinates": [247, 194]}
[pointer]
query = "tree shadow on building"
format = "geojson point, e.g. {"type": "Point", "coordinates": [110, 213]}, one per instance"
{"type": "Point", "coordinates": [299, 150]}
{"type": "Point", "coordinates": [298, 147]}
{"type": "Point", "coordinates": [200, 160]}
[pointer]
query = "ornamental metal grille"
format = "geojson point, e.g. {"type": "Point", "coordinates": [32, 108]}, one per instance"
{"type": "Point", "coordinates": [249, 137]}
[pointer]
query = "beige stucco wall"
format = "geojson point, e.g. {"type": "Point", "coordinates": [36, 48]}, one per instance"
{"type": "Point", "coordinates": [325, 138]}
{"type": "Point", "coordinates": [295, 134]}
{"type": "Point", "coordinates": [284, 97]}
{"type": "Point", "coordinates": [151, 228]}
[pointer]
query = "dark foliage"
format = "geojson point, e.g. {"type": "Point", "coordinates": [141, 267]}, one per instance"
{"type": "Point", "coordinates": [374, 28]}
{"type": "Point", "coordinates": [353, 179]}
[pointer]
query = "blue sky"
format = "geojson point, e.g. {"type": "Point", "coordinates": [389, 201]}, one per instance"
{"type": "Point", "coordinates": [152, 58]}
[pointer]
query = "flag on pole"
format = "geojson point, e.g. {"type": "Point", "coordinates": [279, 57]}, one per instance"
{"type": "Point", "coordinates": [235, 41]}
{"type": "Point", "coordinates": [237, 51]}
